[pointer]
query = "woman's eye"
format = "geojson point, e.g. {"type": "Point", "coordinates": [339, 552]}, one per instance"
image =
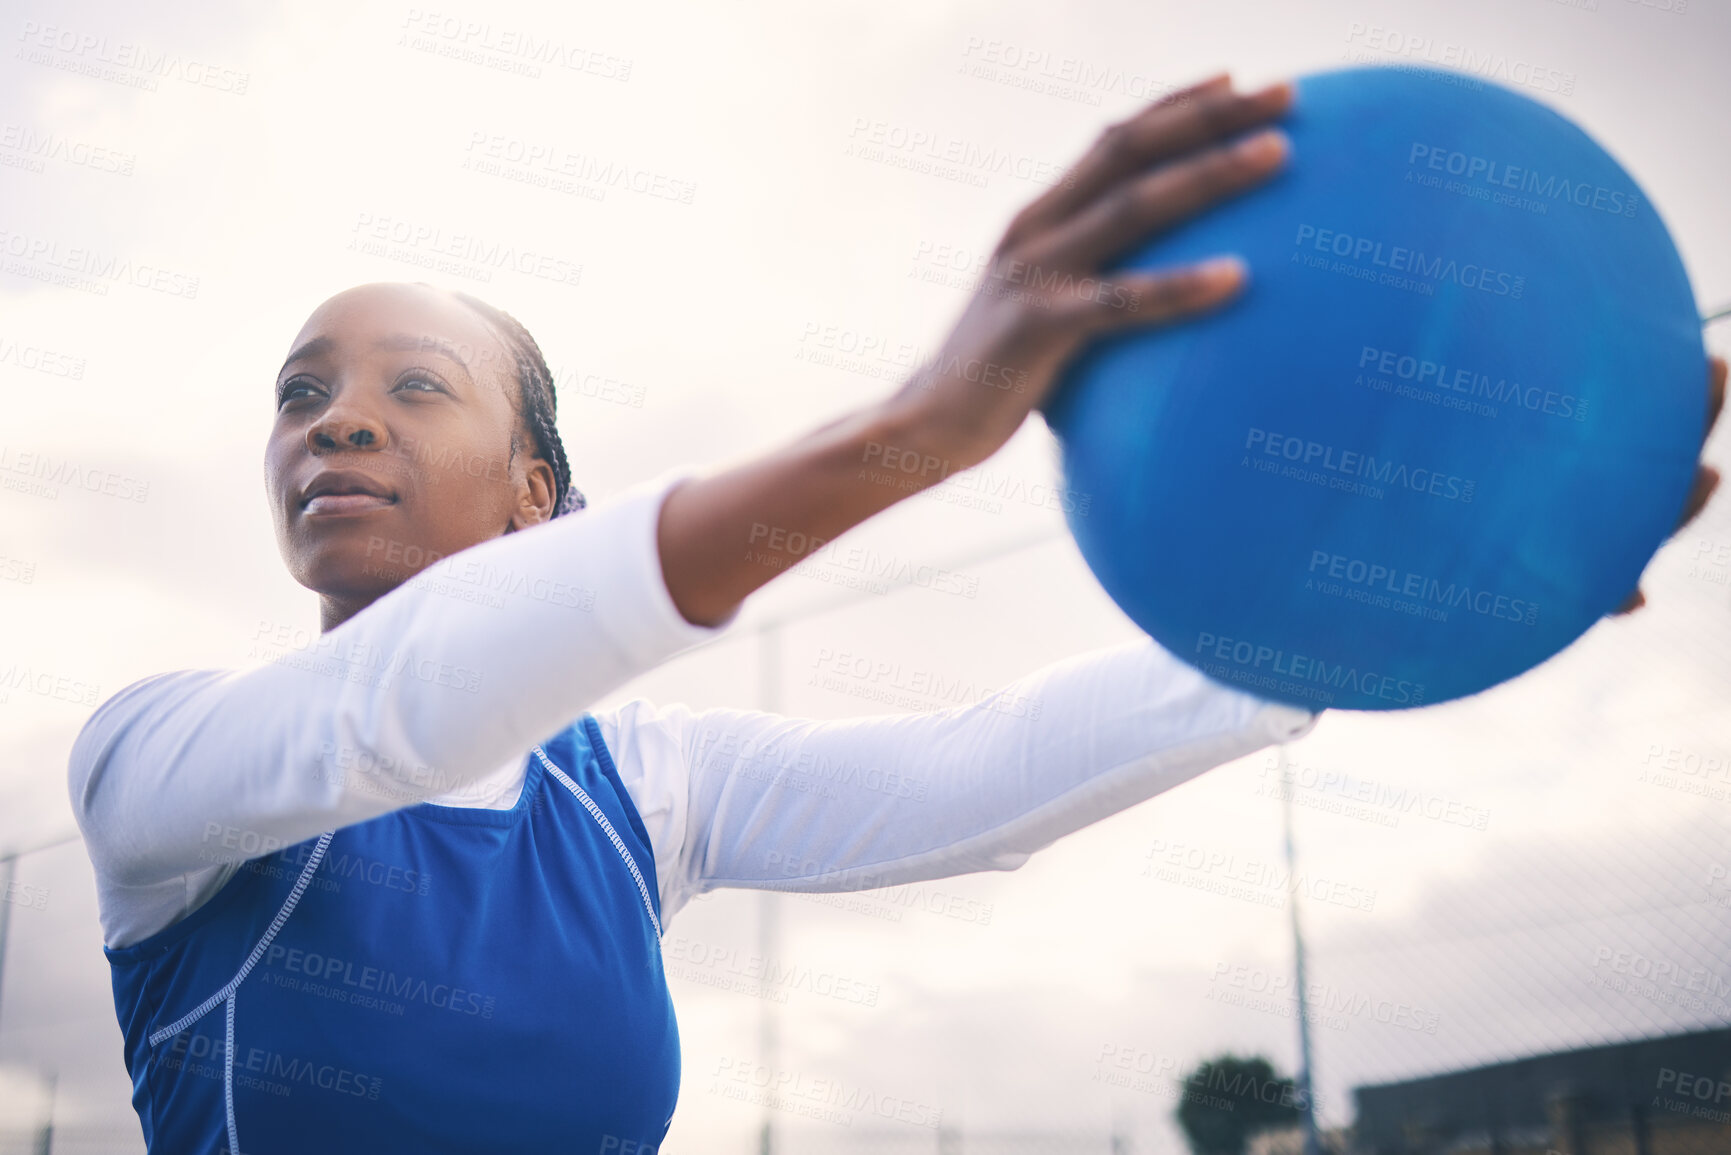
{"type": "Point", "coordinates": [297, 389]}
{"type": "Point", "coordinates": [290, 391]}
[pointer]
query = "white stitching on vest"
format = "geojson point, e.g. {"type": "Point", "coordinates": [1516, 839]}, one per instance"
{"type": "Point", "coordinates": [613, 835]}
{"type": "Point", "coordinates": [288, 906]}
{"type": "Point", "coordinates": [231, 991]}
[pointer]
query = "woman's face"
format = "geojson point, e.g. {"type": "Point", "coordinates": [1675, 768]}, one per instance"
{"type": "Point", "coordinates": [392, 445]}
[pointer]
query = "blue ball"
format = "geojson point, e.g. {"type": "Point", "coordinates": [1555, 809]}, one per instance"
{"type": "Point", "coordinates": [1452, 416]}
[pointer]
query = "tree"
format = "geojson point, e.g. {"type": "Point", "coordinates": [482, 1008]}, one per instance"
{"type": "Point", "coordinates": [1228, 1099]}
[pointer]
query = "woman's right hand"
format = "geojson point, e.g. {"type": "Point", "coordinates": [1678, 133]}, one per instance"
{"type": "Point", "coordinates": [1042, 295]}
{"type": "Point", "coordinates": [727, 534]}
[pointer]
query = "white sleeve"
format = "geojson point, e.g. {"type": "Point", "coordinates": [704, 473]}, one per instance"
{"type": "Point", "coordinates": [466, 665]}
{"type": "Point", "coordinates": [736, 798]}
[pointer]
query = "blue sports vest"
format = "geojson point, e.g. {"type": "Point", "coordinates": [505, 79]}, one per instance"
{"type": "Point", "coordinates": [438, 979]}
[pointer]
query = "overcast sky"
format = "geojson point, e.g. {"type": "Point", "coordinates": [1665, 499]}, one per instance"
{"type": "Point", "coordinates": [279, 136]}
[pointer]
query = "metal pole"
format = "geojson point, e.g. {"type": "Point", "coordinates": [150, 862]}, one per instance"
{"type": "Point", "coordinates": [45, 1141]}
{"type": "Point", "coordinates": [768, 901]}
{"type": "Point", "coordinates": [1311, 1144]}
{"type": "Point", "coordinates": [11, 861]}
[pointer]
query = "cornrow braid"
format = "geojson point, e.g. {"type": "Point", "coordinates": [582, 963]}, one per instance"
{"type": "Point", "coordinates": [539, 404]}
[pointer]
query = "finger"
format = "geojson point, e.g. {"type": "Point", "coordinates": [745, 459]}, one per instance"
{"type": "Point", "coordinates": [1706, 477]}
{"type": "Point", "coordinates": [1630, 604]}
{"type": "Point", "coordinates": [1715, 394]}
{"type": "Point", "coordinates": [1706, 481]}
{"type": "Point", "coordinates": [1159, 199]}
{"type": "Point", "coordinates": [1141, 299]}
{"type": "Point", "coordinates": [1178, 124]}
{"type": "Point", "coordinates": [1100, 165]}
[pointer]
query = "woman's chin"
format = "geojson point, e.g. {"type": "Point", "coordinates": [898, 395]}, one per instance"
{"type": "Point", "coordinates": [350, 575]}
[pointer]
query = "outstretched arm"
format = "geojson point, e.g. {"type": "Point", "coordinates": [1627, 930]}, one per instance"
{"type": "Point", "coordinates": [186, 769]}
{"type": "Point", "coordinates": [737, 798]}
{"type": "Point", "coordinates": [434, 685]}
{"type": "Point", "coordinates": [1041, 297]}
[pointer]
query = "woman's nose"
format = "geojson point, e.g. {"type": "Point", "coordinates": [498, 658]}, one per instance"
{"type": "Point", "coordinates": [342, 428]}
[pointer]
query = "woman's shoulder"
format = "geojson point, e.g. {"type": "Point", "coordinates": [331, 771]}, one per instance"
{"type": "Point", "coordinates": [126, 706]}
{"type": "Point", "coordinates": [154, 691]}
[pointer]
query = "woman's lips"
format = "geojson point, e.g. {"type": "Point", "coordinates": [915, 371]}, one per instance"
{"type": "Point", "coordinates": [331, 504]}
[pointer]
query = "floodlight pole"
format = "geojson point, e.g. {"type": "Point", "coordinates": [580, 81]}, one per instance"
{"type": "Point", "coordinates": [1312, 1146]}
{"type": "Point", "coordinates": [768, 901]}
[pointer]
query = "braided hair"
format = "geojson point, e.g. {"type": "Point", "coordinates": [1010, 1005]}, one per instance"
{"type": "Point", "coordinates": [536, 400]}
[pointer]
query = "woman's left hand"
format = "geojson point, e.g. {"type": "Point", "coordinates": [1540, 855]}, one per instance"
{"type": "Point", "coordinates": [1706, 477]}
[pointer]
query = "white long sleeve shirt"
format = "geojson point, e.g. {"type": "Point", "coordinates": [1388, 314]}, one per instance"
{"type": "Point", "coordinates": [438, 690]}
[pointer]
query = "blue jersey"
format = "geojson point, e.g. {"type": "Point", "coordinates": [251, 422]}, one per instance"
{"type": "Point", "coordinates": [436, 979]}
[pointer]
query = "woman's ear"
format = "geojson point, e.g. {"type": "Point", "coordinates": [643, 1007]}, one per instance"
{"type": "Point", "coordinates": [536, 497]}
